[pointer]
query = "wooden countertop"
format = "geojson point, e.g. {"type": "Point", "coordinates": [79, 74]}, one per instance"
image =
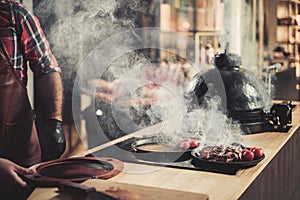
{"type": "Point", "coordinates": [187, 184]}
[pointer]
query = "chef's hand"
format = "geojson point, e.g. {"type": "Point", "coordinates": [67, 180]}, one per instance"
{"type": "Point", "coordinates": [10, 174]}
{"type": "Point", "coordinates": [52, 140]}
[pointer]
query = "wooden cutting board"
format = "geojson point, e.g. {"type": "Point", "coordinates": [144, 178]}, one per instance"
{"type": "Point", "coordinates": [136, 192]}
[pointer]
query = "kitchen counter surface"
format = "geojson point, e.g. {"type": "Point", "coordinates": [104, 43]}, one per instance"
{"type": "Point", "coordinates": [275, 177]}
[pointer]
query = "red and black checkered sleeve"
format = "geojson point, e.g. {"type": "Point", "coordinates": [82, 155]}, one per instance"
{"type": "Point", "coordinates": [36, 48]}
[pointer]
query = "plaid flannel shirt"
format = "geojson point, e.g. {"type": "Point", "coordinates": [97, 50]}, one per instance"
{"type": "Point", "coordinates": [25, 40]}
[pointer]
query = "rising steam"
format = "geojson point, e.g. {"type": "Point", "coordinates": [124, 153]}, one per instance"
{"type": "Point", "coordinates": [77, 27]}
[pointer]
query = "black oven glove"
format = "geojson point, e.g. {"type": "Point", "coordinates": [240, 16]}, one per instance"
{"type": "Point", "coordinates": [52, 139]}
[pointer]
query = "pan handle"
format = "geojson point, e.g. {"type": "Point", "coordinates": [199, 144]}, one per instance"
{"type": "Point", "coordinates": [75, 188]}
{"type": "Point", "coordinates": [33, 179]}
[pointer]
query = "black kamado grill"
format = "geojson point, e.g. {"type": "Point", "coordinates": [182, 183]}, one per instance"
{"type": "Point", "coordinates": [244, 97]}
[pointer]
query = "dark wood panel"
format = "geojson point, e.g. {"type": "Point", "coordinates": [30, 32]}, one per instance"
{"type": "Point", "coordinates": [285, 85]}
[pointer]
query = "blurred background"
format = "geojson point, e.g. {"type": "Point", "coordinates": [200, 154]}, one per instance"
{"type": "Point", "coordinates": [266, 34]}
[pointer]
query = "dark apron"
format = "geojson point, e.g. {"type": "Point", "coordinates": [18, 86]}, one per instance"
{"type": "Point", "coordinates": [18, 137]}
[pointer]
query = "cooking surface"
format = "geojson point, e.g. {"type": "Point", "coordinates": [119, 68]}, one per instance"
{"type": "Point", "coordinates": [123, 151]}
{"type": "Point", "coordinates": [76, 169]}
{"type": "Point", "coordinates": [157, 148]}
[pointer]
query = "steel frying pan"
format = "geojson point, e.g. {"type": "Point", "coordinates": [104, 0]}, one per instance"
{"type": "Point", "coordinates": [158, 149]}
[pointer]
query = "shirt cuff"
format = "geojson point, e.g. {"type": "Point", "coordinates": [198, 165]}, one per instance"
{"type": "Point", "coordinates": [50, 70]}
